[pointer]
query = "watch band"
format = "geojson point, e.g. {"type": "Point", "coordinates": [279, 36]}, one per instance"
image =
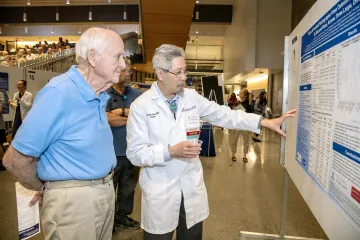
{"type": "Point", "coordinates": [260, 120]}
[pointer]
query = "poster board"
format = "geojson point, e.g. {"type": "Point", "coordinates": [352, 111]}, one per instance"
{"type": "Point", "coordinates": [212, 83]}
{"type": "Point", "coordinates": [36, 80]}
{"type": "Point", "coordinates": [322, 147]}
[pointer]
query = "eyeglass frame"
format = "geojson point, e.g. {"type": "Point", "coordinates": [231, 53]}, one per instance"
{"type": "Point", "coordinates": [129, 71]}
{"type": "Point", "coordinates": [177, 75]}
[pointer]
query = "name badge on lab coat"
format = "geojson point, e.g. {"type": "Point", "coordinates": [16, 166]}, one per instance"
{"type": "Point", "coordinates": [192, 127]}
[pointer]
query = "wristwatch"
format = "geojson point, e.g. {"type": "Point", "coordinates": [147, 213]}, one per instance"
{"type": "Point", "coordinates": [260, 120]}
{"type": "Point", "coordinates": [123, 112]}
{"type": "Point", "coordinates": [42, 190]}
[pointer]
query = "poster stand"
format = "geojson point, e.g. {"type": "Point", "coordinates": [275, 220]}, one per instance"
{"type": "Point", "coordinates": [254, 235]}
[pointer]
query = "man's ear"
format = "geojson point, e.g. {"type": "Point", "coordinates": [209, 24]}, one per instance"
{"type": "Point", "coordinates": [91, 56]}
{"type": "Point", "coordinates": [159, 74]}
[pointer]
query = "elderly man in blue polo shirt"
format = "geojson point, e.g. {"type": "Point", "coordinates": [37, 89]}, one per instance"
{"type": "Point", "coordinates": [126, 175]}
{"type": "Point", "coordinates": [64, 148]}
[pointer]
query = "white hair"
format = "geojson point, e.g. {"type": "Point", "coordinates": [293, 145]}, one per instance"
{"type": "Point", "coordinates": [165, 54]}
{"type": "Point", "coordinates": [93, 38]}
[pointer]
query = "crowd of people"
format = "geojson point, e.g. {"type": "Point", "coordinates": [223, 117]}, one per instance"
{"type": "Point", "coordinates": [40, 50]}
{"type": "Point", "coordinates": [248, 103]}
{"type": "Point", "coordinates": [98, 132]}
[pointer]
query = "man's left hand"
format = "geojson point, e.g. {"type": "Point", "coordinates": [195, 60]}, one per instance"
{"type": "Point", "coordinates": [275, 124]}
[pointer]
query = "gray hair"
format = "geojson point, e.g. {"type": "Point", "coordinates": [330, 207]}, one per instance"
{"type": "Point", "coordinates": [127, 62]}
{"type": "Point", "coordinates": [165, 54]}
{"type": "Point", "coordinates": [93, 38]}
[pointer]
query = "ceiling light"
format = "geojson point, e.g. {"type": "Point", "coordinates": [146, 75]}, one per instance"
{"type": "Point", "coordinates": [197, 32]}
{"type": "Point", "coordinates": [26, 30]}
{"type": "Point", "coordinates": [197, 2]}
{"type": "Point", "coordinates": [80, 30]}
{"type": "Point", "coordinates": [24, 16]}
{"type": "Point", "coordinates": [90, 14]}
{"type": "Point", "coordinates": [109, 1]}
{"type": "Point", "coordinates": [28, 2]}
{"type": "Point", "coordinates": [57, 14]}
{"type": "Point", "coordinates": [52, 30]}
{"type": "Point", "coordinates": [125, 13]}
{"type": "Point", "coordinates": [197, 14]}
{"type": "Point", "coordinates": [67, 1]}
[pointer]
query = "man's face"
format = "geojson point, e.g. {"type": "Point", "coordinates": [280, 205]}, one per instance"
{"type": "Point", "coordinates": [20, 86]}
{"type": "Point", "coordinates": [28, 51]}
{"type": "Point", "coordinates": [125, 76]}
{"type": "Point", "coordinates": [108, 65]}
{"type": "Point", "coordinates": [40, 50]}
{"type": "Point", "coordinates": [174, 79]}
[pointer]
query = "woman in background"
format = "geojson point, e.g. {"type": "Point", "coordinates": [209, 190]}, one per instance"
{"type": "Point", "coordinates": [244, 105]}
{"type": "Point", "coordinates": [22, 101]}
{"type": "Point", "coordinates": [260, 109]}
{"type": "Point", "coordinates": [232, 102]}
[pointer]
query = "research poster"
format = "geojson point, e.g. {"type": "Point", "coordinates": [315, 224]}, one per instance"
{"type": "Point", "coordinates": [28, 217]}
{"type": "Point", "coordinates": [328, 137]}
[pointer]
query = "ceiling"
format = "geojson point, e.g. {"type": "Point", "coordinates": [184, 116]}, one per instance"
{"type": "Point", "coordinates": [91, 2]}
{"type": "Point", "coordinates": [245, 76]}
{"type": "Point", "coordinates": [63, 2]}
{"type": "Point", "coordinates": [45, 31]}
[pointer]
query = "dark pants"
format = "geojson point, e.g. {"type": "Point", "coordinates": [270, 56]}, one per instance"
{"type": "Point", "coordinates": [125, 179]}
{"type": "Point", "coordinates": [182, 233]}
{"type": "Point", "coordinates": [16, 124]}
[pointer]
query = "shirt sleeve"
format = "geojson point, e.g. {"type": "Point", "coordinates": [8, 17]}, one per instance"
{"type": "Point", "coordinates": [139, 150]}
{"type": "Point", "coordinates": [43, 125]}
{"type": "Point", "coordinates": [223, 116]}
{"type": "Point", "coordinates": [167, 156]}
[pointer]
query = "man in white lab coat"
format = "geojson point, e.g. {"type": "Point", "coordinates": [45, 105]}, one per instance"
{"type": "Point", "coordinates": [173, 190]}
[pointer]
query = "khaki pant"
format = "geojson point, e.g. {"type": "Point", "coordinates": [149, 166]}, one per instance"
{"type": "Point", "coordinates": [234, 138]}
{"type": "Point", "coordinates": [71, 211]}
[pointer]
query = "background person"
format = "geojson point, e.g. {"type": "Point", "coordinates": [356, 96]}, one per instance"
{"type": "Point", "coordinates": [126, 174]}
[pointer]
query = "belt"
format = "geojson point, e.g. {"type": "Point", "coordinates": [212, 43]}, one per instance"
{"type": "Point", "coordinates": [79, 183]}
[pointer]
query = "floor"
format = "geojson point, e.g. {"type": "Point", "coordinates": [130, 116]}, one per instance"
{"type": "Point", "coordinates": [242, 196]}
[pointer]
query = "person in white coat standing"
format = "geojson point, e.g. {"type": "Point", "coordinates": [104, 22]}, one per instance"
{"type": "Point", "coordinates": [160, 120]}
{"type": "Point", "coordinates": [22, 102]}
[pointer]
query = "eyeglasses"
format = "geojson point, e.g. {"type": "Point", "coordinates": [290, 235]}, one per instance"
{"type": "Point", "coordinates": [128, 71]}
{"type": "Point", "coordinates": [178, 75]}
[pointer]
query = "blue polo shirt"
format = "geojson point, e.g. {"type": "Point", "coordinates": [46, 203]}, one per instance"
{"type": "Point", "coordinates": [68, 130]}
{"type": "Point", "coordinates": [118, 101]}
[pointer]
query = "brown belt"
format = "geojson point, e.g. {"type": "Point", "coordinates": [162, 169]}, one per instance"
{"type": "Point", "coordinates": [79, 183]}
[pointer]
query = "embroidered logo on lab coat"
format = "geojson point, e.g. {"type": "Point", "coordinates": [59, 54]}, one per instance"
{"type": "Point", "coordinates": [152, 115]}
{"type": "Point", "coordinates": [188, 109]}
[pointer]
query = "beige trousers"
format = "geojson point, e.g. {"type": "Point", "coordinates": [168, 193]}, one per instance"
{"type": "Point", "coordinates": [78, 212]}
{"type": "Point", "coordinates": [234, 138]}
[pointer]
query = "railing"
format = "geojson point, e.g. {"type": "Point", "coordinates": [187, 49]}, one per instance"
{"type": "Point", "coordinates": [205, 65]}
{"type": "Point", "coordinates": [57, 62]}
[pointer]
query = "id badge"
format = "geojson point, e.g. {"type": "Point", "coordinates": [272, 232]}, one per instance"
{"type": "Point", "coordinates": [192, 128]}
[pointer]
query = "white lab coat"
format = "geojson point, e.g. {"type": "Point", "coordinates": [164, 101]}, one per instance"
{"type": "Point", "coordinates": [151, 127]}
{"type": "Point", "coordinates": [25, 103]}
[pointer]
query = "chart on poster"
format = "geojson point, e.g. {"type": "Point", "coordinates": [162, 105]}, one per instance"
{"type": "Point", "coordinates": [328, 133]}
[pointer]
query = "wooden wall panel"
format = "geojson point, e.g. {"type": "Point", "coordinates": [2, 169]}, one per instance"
{"type": "Point", "coordinates": [165, 22]}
